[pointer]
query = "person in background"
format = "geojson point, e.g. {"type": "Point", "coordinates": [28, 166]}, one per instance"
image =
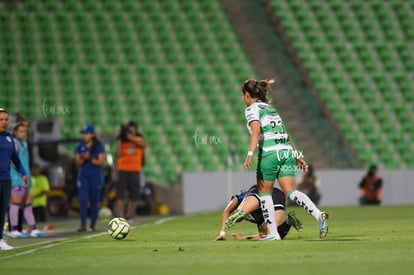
{"type": "Point", "coordinates": [131, 159]}
{"type": "Point", "coordinates": [309, 185]}
{"type": "Point", "coordinates": [39, 190]}
{"type": "Point", "coordinates": [20, 193]}
{"type": "Point", "coordinates": [89, 158]}
{"type": "Point", "coordinates": [7, 156]}
{"type": "Point", "coordinates": [371, 187]}
{"type": "Point", "coordinates": [19, 119]}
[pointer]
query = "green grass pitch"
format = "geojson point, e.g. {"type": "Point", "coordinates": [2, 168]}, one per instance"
{"type": "Point", "coordinates": [361, 240]}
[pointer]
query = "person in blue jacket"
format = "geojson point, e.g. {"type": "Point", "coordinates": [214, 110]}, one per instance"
{"type": "Point", "coordinates": [89, 158]}
{"type": "Point", "coordinates": [7, 156]}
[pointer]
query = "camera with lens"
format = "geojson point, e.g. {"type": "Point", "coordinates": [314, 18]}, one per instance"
{"type": "Point", "coordinates": [131, 128]}
{"type": "Point", "coordinates": [123, 133]}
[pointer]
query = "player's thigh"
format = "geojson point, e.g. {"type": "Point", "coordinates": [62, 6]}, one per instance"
{"type": "Point", "coordinates": [267, 167]}
{"type": "Point", "coordinates": [17, 195]}
{"type": "Point", "coordinates": [28, 199]}
{"type": "Point", "coordinates": [286, 167]}
{"type": "Point", "coordinates": [265, 186]}
{"type": "Point", "coordinates": [249, 204]}
{"type": "Point", "coordinates": [287, 184]}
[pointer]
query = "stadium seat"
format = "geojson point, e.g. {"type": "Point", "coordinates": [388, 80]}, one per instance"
{"type": "Point", "coordinates": [94, 43]}
{"type": "Point", "coordinates": [367, 40]}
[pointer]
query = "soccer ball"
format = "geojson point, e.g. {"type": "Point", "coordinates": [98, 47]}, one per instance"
{"type": "Point", "coordinates": [105, 213]}
{"type": "Point", "coordinates": [118, 228]}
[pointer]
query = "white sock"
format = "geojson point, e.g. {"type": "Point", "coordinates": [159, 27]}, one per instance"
{"type": "Point", "coordinates": [302, 200]}
{"type": "Point", "coordinates": [269, 213]}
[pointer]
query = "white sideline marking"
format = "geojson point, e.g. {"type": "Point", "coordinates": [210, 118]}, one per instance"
{"type": "Point", "coordinates": [64, 241]}
{"type": "Point", "coordinates": [94, 235]}
{"type": "Point", "coordinates": [164, 220]}
{"type": "Point", "coordinates": [31, 251]}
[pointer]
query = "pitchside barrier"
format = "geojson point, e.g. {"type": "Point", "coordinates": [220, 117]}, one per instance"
{"type": "Point", "coordinates": [206, 191]}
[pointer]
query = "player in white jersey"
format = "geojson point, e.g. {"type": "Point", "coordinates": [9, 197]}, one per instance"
{"type": "Point", "coordinates": [249, 202]}
{"type": "Point", "coordinates": [277, 159]}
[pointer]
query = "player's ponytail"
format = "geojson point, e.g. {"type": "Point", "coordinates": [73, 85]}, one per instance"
{"type": "Point", "coordinates": [258, 89]}
{"type": "Point", "coordinates": [265, 87]}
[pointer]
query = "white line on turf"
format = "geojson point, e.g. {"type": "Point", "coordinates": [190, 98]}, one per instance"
{"type": "Point", "coordinates": [31, 251]}
{"type": "Point", "coordinates": [161, 221]}
{"type": "Point", "coordinates": [95, 235]}
{"type": "Point", "coordinates": [64, 241]}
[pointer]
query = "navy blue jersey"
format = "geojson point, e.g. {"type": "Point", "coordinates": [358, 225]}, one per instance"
{"type": "Point", "coordinates": [88, 166]}
{"type": "Point", "coordinates": [7, 154]}
{"type": "Point", "coordinates": [279, 202]}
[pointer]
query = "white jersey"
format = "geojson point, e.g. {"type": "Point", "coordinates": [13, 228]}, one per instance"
{"type": "Point", "coordinates": [273, 135]}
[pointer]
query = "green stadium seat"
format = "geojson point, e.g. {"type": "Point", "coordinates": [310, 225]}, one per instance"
{"type": "Point", "coordinates": [108, 58]}
{"type": "Point", "coordinates": [367, 40]}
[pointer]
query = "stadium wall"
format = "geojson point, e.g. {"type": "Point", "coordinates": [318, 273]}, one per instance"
{"type": "Point", "coordinates": [211, 191]}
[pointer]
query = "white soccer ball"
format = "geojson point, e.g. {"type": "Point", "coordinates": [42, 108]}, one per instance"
{"type": "Point", "coordinates": [105, 213]}
{"type": "Point", "coordinates": [118, 228]}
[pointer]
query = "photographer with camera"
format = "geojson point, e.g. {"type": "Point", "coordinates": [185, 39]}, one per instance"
{"type": "Point", "coordinates": [131, 159]}
{"type": "Point", "coordinates": [371, 187]}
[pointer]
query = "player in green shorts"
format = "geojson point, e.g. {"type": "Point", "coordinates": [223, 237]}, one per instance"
{"type": "Point", "coordinates": [277, 158]}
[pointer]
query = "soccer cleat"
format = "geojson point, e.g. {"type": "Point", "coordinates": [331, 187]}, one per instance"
{"type": "Point", "coordinates": [16, 234]}
{"type": "Point", "coordinates": [295, 222]}
{"type": "Point", "coordinates": [234, 218]}
{"type": "Point", "coordinates": [4, 245]}
{"type": "Point", "coordinates": [38, 234]}
{"type": "Point", "coordinates": [82, 229]}
{"type": "Point", "coordinates": [323, 225]}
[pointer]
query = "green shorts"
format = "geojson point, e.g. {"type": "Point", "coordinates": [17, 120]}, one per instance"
{"type": "Point", "coordinates": [271, 165]}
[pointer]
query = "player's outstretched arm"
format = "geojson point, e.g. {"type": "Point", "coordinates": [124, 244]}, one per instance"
{"type": "Point", "coordinates": [262, 231]}
{"type": "Point", "coordinates": [237, 236]}
{"type": "Point", "coordinates": [226, 213]}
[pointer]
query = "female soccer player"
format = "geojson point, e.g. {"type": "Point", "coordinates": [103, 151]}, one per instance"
{"type": "Point", "coordinates": [248, 208]}
{"type": "Point", "coordinates": [277, 156]}
{"type": "Point", "coordinates": [89, 158]}
{"type": "Point", "coordinates": [20, 193]}
{"type": "Point", "coordinates": [7, 155]}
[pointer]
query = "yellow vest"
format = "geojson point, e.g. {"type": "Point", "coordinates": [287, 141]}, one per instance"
{"type": "Point", "coordinates": [39, 184]}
